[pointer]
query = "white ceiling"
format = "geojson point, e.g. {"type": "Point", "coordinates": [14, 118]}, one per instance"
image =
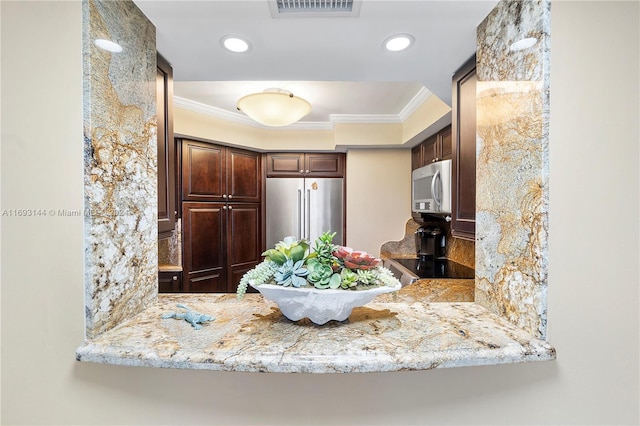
{"type": "Point", "coordinates": [336, 63]}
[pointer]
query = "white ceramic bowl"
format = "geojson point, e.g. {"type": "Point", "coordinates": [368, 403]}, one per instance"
{"type": "Point", "coordinates": [320, 306]}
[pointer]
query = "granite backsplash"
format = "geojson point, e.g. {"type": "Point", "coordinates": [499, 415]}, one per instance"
{"type": "Point", "coordinates": [458, 250]}
{"type": "Point", "coordinates": [170, 249]}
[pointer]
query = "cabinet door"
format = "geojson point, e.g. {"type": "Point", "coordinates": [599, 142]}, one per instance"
{"type": "Point", "coordinates": [463, 216]}
{"type": "Point", "coordinates": [165, 148]}
{"type": "Point", "coordinates": [445, 142]}
{"type": "Point", "coordinates": [430, 150]}
{"type": "Point", "coordinates": [416, 157]}
{"type": "Point", "coordinates": [324, 165]}
{"type": "Point", "coordinates": [244, 175]}
{"type": "Point", "coordinates": [203, 171]}
{"type": "Point", "coordinates": [243, 241]}
{"type": "Point", "coordinates": [285, 164]}
{"type": "Point", "coordinates": [204, 245]}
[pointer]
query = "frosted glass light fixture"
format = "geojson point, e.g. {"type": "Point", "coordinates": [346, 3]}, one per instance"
{"type": "Point", "coordinates": [274, 107]}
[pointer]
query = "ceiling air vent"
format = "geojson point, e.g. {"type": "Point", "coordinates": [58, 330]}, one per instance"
{"type": "Point", "coordinates": [314, 8]}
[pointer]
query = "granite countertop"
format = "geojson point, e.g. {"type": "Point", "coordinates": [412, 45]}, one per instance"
{"type": "Point", "coordinates": [170, 268]}
{"type": "Point", "coordinates": [394, 332]}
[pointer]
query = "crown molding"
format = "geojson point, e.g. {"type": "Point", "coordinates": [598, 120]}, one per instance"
{"type": "Point", "coordinates": [334, 119]}
{"type": "Point", "coordinates": [415, 103]}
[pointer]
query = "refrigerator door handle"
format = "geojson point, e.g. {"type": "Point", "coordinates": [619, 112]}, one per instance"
{"type": "Point", "coordinates": [299, 214]}
{"type": "Point", "coordinates": [308, 215]}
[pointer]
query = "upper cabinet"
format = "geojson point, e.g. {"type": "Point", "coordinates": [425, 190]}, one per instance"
{"type": "Point", "coordinates": [218, 173]}
{"type": "Point", "coordinates": [463, 218]}
{"type": "Point", "coordinates": [434, 148]}
{"type": "Point", "coordinates": [166, 149]}
{"type": "Point", "coordinates": [298, 164]}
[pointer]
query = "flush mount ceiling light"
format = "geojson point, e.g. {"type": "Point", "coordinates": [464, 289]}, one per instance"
{"type": "Point", "coordinates": [274, 107]}
{"type": "Point", "coordinates": [234, 44]}
{"type": "Point", "coordinates": [398, 42]}
{"type": "Point", "coordinates": [108, 45]}
{"type": "Point", "coordinates": [522, 44]}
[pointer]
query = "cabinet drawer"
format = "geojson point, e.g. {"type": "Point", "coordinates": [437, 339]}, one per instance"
{"type": "Point", "coordinates": [169, 282]}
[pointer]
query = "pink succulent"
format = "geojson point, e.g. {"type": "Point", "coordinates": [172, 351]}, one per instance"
{"type": "Point", "coordinates": [353, 259]}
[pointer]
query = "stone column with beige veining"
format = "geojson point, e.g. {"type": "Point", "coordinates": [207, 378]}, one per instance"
{"type": "Point", "coordinates": [121, 252]}
{"type": "Point", "coordinates": [512, 163]}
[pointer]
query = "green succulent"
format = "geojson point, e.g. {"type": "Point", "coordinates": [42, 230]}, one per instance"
{"type": "Point", "coordinates": [261, 274]}
{"type": "Point", "coordinates": [324, 249]}
{"type": "Point", "coordinates": [321, 275]}
{"type": "Point", "coordinates": [289, 248]}
{"type": "Point", "coordinates": [290, 273]}
{"type": "Point", "coordinates": [367, 277]}
{"type": "Point", "coordinates": [349, 278]}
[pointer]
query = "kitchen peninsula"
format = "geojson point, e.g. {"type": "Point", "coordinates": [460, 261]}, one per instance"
{"type": "Point", "coordinates": [392, 334]}
{"type": "Point", "coordinates": [506, 323]}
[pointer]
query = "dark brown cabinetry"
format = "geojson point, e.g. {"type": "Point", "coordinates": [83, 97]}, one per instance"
{"type": "Point", "coordinates": [221, 243]}
{"type": "Point", "coordinates": [463, 218]}
{"type": "Point", "coordinates": [169, 282]}
{"type": "Point", "coordinates": [292, 164]}
{"type": "Point", "coordinates": [166, 149]}
{"type": "Point", "coordinates": [434, 148]}
{"type": "Point", "coordinates": [221, 215]}
{"type": "Point", "coordinates": [218, 173]}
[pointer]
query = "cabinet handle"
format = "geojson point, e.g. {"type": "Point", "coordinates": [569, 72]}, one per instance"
{"type": "Point", "coordinates": [175, 278]}
{"type": "Point", "coordinates": [224, 207]}
{"type": "Point", "coordinates": [301, 171]}
{"type": "Point", "coordinates": [307, 171]}
{"type": "Point", "coordinates": [230, 208]}
{"type": "Point", "coordinates": [224, 195]}
{"type": "Point", "coordinates": [230, 196]}
{"type": "Point", "coordinates": [433, 161]}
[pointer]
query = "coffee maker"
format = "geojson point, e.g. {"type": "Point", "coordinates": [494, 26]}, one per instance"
{"type": "Point", "coordinates": [430, 243]}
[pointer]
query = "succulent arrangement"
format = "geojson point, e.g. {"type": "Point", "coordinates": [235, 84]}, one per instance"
{"type": "Point", "coordinates": [327, 266]}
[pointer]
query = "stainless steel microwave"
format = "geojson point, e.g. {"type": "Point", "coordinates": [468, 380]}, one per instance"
{"type": "Point", "coordinates": [431, 188]}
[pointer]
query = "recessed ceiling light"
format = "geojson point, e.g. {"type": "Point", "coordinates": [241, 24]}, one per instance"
{"type": "Point", "coordinates": [398, 42]}
{"type": "Point", "coordinates": [108, 45]}
{"type": "Point", "coordinates": [234, 44]}
{"type": "Point", "coordinates": [522, 44]}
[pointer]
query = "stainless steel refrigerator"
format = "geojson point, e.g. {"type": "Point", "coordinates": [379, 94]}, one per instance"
{"type": "Point", "coordinates": [304, 208]}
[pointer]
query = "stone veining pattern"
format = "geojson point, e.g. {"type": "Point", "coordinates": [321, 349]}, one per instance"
{"type": "Point", "coordinates": [512, 164]}
{"type": "Point", "coordinates": [120, 165]}
{"type": "Point", "coordinates": [253, 335]}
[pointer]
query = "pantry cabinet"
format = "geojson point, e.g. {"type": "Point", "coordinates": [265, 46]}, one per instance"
{"type": "Point", "coordinates": [221, 243]}
{"type": "Point", "coordinates": [463, 203]}
{"type": "Point", "coordinates": [221, 215]}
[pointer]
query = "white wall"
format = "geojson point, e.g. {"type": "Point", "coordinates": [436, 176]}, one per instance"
{"type": "Point", "coordinates": [593, 285]}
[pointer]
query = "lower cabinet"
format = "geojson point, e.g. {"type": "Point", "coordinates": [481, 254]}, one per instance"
{"type": "Point", "coordinates": [169, 282]}
{"type": "Point", "coordinates": [221, 241]}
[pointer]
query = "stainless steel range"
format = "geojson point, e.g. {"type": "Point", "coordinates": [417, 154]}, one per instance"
{"type": "Point", "coordinates": [429, 261]}
{"type": "Point", "coordinates": [411, 270]}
